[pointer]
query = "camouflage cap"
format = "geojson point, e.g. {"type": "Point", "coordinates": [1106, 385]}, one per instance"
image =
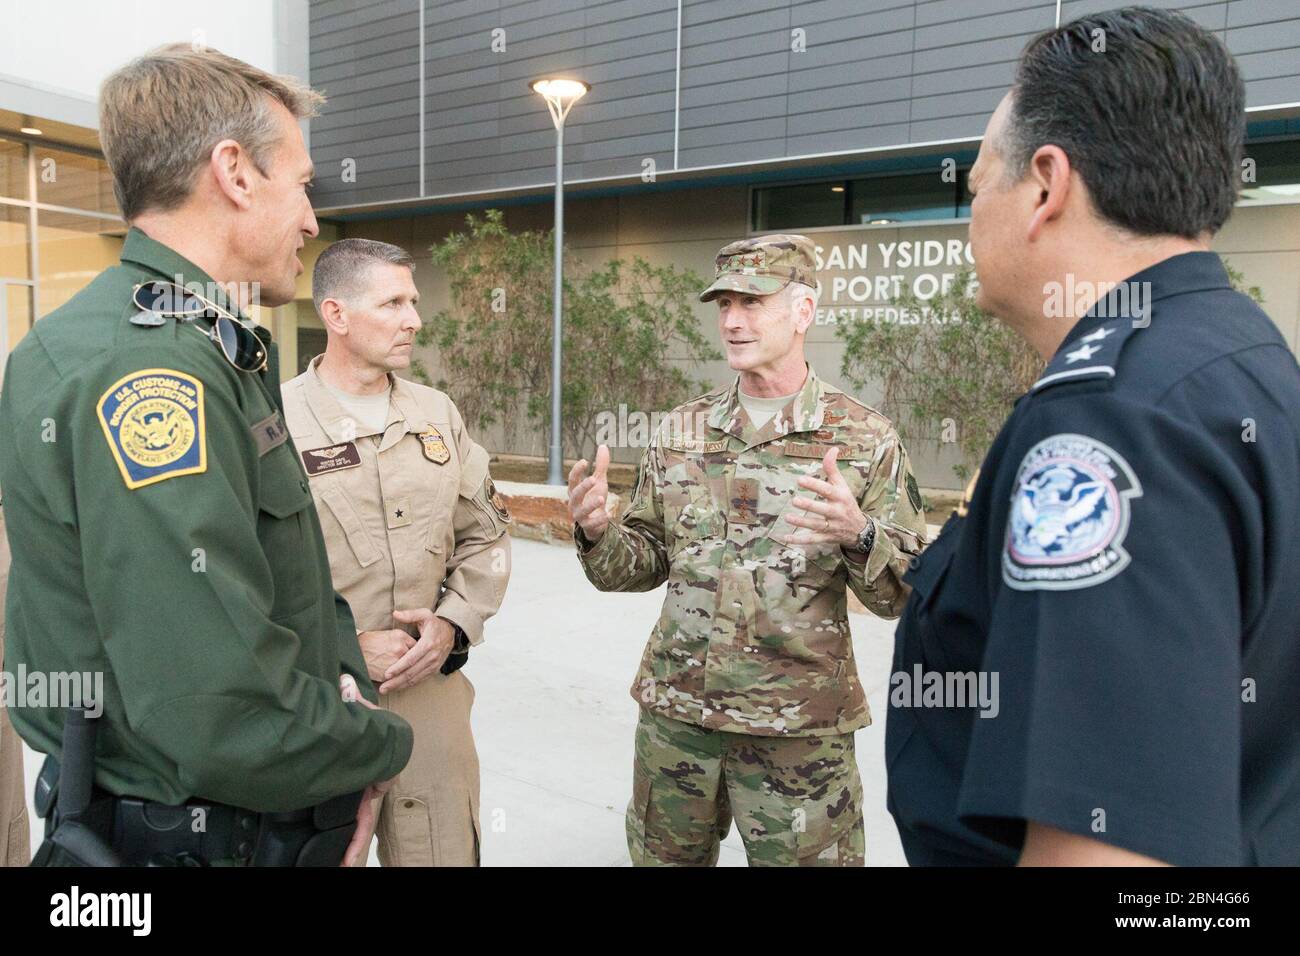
{"type": "Point", "coordinates": [763, 265]}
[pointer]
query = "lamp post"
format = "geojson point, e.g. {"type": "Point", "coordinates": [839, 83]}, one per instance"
{"type": "Point", "coordinates": [560, 95]}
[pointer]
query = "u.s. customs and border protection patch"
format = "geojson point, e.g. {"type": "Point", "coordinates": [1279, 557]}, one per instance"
{"type": "Point", "coordinates": [1069, 515]}
{"type": "Point", "coordinates": [498, 502]}
{"type": "Point", "coordinates": [153, 420]}
{"type": "Point", "coordinates": [435, 449]}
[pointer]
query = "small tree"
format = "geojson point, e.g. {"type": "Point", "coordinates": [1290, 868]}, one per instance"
{"type": "Point", "coordinates": [623, 325]}
{"type": "Point", "coordinates": [951, 372]}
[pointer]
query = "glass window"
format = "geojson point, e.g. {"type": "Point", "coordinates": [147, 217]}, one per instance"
{"type": "Point", "coordinates": [71, 251]}
{"type": "Point", "coordinates": [311, 343]}
{"type": "Point", "coordinates": [15, 261]}
{"type": "Point", "coordinates": [74, 180]}
{"type": "Point", "coordinates": [1276, 172]}
{"type": "Point", "coordinates": [799, 207]}
{"type": "Point", "coordinates": [875, 199]}
{"type": "Point", "coordinates": [17, 308]}
{"type": "Point", "coordinates": [13, 169]}
{"type": "Point", "coordinates": [884, 199]}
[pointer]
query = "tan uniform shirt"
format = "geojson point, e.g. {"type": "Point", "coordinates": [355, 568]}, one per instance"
{"type": "Point", "coordinates": [14, 825]}
{"type": "Point", "coordinates": [410, 515]}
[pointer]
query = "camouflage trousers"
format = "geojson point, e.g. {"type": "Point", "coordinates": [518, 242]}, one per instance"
{"type": "Point", "coordinates": [797, 801]}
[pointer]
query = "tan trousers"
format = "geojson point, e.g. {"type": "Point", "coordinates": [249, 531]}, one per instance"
{"type": "Point", "coordinates": [15, 849]}
{"type": "Point", "coordinates": [14, 824]}
{"type": "Point", "coordinates": [430, 816]}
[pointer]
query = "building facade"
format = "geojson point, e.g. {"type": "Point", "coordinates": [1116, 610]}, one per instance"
{"type": "Point", "coordinates": [853, 121]}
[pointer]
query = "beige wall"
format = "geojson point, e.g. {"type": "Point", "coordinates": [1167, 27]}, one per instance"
{"type": "Point", "coordinates": [687, 227]}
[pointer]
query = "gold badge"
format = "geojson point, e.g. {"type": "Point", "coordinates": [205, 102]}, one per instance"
{"type": "Point", "coordinates": [435, 449]}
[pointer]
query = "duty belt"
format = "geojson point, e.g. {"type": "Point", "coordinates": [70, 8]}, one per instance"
{"type": "Point", "coordinates": [86, 826]}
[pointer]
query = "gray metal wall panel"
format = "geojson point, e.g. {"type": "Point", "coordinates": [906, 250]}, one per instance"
{"type": "Point", "coordinates": [1265, 37]}
{"type": "Point", "coordinates": [1244, 13]}
{"type": "Point", "coordinates": [365, 60]}
{"type": "Point", "coordinates": [875, 73]}
{"type": "Point", "coordinates": [1275, 64]}
{"type": "Point", "coordinates": [495, 127]}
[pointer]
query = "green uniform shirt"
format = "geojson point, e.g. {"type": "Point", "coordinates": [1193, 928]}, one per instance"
{"type": "Point", "coordinates": [754, 634]}
{"type": "Point", "coordinates": [163, 534]}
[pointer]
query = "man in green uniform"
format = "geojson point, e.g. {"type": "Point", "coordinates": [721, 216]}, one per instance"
{"type": "Point", "coordinates": [760, 504]}
{"type": "Point", "coordinates": [163, 532]}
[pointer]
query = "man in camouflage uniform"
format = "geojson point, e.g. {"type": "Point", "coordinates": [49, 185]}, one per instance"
{"type": "Point", "coordinates": [758, 503]}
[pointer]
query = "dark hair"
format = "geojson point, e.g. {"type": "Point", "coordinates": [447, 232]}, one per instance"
{"type": "Point", "coordinates": [339, 270]}
{"type": "Point", "coordinates": [1154, 125]}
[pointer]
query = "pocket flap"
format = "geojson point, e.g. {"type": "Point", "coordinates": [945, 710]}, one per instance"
{"type": "Point", "coordinates": [339, 506]}
{"type": "Point", "coordinates": [283, 490]}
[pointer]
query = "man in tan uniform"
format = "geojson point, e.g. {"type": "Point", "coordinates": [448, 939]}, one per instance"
{"type": "Point", "coordinates": [15, 850]}
{"type": "Point", "coordinates": [416, 535]}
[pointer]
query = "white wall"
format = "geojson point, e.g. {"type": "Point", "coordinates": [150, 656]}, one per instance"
{"type": "Point", "coordinates": [70, 46]}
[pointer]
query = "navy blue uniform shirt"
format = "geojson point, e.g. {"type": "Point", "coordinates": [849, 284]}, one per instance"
{"type": "Point", "coordinates": [1127, 563]}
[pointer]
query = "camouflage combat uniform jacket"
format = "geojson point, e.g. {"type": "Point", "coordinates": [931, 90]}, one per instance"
{"type": "Point", "coordinates": [754, 635]}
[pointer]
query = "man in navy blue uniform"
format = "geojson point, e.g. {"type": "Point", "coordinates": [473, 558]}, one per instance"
{"type": "Point", "coordinates": [1127, 559]}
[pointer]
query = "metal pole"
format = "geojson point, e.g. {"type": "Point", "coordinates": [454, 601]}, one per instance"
{"type": "Point", "coordinates": [556, 475]}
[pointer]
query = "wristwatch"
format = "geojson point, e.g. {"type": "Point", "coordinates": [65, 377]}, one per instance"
{"type": "Point", "coordinates": [866, 538]}
{"type": "Point", "coordinates": [459, 651]}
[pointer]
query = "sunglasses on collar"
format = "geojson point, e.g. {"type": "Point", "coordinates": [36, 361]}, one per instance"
{"type": "Point", "coordinates": [162, 300]}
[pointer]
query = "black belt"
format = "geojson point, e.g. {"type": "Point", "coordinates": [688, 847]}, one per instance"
{"type": "Point", "coordinates": [86, 826]}
{"type": "Point", "coordinates": [146, 833]}
{"type": "Point", "coordinates": [200, 832]}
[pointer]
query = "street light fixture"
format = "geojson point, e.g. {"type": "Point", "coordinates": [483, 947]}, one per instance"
{"type": "Point", "coordinates": [560, 94]}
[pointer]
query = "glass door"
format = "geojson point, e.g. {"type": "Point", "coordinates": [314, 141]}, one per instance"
{"type": "Point", "coordinates": [15, 316]}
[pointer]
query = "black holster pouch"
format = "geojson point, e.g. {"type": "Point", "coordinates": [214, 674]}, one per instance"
{"type": "Point", "coordinates": [78, 818]}
{"type": "Point", "coordinates": [85, 826]}
{"type": "Point", "coordinates": [316, 836]}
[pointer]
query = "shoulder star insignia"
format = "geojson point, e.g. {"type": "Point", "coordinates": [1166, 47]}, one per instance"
{"type": "Point", "coordinates": [1097, 335]}
{"type": "Point", "coordinates": [1081, 354]}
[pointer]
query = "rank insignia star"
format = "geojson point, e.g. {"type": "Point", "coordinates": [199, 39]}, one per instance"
{"type": "Point", "coordinates": [1082, 353]}
{"type": "Point", "coordinates": [1097, 336]}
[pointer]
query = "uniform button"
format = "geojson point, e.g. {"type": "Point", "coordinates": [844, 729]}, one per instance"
{"type": "Point", "coordinates": [408, 804]}
{"type": "Point", "coordinates": [243, 850]}
{"type": "Point", "coordinates": [302, 483]}
{"type": "Point", "coordinates": [246, 823]}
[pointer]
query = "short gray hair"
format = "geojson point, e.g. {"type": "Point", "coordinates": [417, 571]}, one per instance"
{"type": "Point", "coordinates": [161, 114]}
{"type": "Point", "coordinates": [340, 268]}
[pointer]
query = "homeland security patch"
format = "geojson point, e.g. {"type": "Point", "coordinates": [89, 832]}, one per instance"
{"type": "Point", "coordinates": [1069, 515]}
{"type": "Point", "coordinates": [153, 420]}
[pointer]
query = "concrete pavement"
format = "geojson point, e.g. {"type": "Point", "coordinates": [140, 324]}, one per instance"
{"type": "Point", "coordinates": [554, 721]}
